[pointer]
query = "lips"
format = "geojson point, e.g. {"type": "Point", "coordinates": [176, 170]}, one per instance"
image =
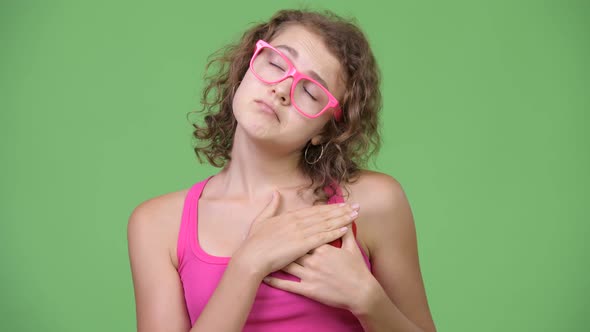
{"type": "Point", "coordinates": [267, 108]}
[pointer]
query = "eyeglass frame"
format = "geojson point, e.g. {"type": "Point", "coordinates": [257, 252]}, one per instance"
{"type": "Point", "coordinates": [297, 76]}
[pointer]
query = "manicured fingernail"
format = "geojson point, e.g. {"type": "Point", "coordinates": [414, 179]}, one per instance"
{"type": "Point", "coordinates": [354, 214]}
{"type": "Point", "coordinates": [344, 229]}
{"type": "Point", "coordinates": [355, 206]}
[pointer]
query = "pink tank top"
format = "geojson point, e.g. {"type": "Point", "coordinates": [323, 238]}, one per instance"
{"type": "Point", "coordinates": [273, 309]}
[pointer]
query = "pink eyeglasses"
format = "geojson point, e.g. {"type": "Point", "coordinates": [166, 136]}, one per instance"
{"type": "Point", "coordinates": [308, 96]}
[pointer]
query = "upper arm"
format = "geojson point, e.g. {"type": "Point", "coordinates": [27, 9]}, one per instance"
{"type": "Point", "coordinates": [159, 298]}
{"type": "Point", "coordinates": [394, 251]}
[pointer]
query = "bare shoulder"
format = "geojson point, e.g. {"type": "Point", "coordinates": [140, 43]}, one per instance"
{"type": "Point", "coordinates": [382, 200]}
{"type": "Point", "coordinates": [377, 193]}
{"type": "Point", "coordinates": [376, 190]}
{"type": "Point", "coordinates": [160, 206]}
{"type": "Point", "coordinates": [158, 219]}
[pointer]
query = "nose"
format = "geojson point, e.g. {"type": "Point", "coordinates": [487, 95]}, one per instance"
{"type": "Point", "coordinates": [282, 90]}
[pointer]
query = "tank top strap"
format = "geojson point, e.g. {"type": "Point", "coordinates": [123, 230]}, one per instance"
{"type": "Point", "coordinates": [334, 193]}
{"type": "Point", "coordinates": [188, 224]}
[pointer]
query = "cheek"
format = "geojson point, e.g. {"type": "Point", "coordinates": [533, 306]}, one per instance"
{"type": "Point", "coordinates": [245, 89]}
{"type": "Point", "coordinates": [240, 94]}
{"type": "Point", "coordinates": [249, 81]}
{"type": "Point", "coordinates": [302, 130]}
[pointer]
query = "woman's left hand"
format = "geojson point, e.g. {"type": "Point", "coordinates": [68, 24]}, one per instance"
{"type": "Point", "coordinates": [337, 277]}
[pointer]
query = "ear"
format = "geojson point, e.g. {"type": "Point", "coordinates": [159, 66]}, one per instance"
{"type": "Point", "coordinates": [317, 139]}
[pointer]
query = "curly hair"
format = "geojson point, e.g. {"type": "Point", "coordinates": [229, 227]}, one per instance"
{"type": "Point", "coordinates": [350, 142]}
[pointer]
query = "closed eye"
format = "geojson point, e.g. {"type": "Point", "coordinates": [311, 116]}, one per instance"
{"type": "Point", "coordinates": [309, 93]}
{"type": "Point", "coordinates": [277, 66]}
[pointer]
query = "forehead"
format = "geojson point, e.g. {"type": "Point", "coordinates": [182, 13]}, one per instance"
{"type": "Point", "coordinates": [311, 55]}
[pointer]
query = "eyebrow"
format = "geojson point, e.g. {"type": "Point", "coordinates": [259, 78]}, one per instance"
{"type": "Point", "coordinates": [312, 73]}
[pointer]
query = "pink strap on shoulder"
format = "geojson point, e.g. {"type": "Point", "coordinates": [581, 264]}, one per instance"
{"type": "Point", "coordinates": [186, 224]}
{"type": "Point", "coordinates": [334, 193]}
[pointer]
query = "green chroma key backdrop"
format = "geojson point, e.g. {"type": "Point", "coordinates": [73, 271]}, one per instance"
{"type": "Point", "coordinates": [485, 124]}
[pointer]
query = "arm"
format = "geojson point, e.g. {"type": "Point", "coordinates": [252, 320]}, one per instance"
{"type": "Point", "coordinates": [231, 302]}
{"type": "Point", "coordinates": [396, 299]}
{"type": "Point", "coordinates": [159, 297]}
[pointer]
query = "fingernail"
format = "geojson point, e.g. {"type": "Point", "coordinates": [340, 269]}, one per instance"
{"type": "Point", "coordinates": [355, 206]}
{"type": "Point", "coordinates": [354, 214]}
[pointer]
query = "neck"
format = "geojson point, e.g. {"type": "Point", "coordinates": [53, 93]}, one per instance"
{"type": "Point", "coordinates": [255, 170]}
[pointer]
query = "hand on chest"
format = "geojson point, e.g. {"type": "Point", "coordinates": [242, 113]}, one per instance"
{"type": "Point", "coordinates": [223, 225]}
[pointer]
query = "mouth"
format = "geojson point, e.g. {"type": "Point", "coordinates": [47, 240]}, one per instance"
{"type": "Point", "coordinates": [267, 108]}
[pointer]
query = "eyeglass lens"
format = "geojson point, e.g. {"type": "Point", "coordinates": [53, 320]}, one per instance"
{"type": "Point", "coordinates": [271, 67]}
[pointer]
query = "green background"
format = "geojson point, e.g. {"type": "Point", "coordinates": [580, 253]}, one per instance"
{"type": "Point", "coordinates": [485, 124]}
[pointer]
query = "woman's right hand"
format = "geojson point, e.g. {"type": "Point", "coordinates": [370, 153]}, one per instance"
{"type": "Point", "coordinates": [275, 241]}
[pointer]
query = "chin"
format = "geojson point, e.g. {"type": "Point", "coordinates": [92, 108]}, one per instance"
{"type": "Point", "coordinates": [257, 126]}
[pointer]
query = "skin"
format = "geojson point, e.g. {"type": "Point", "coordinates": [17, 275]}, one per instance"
{"type": "Point", "coordinates": [239, 216]}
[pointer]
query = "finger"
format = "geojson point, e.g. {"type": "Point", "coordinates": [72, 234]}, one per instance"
{"type": "Point", "coordinates": [327, 210]}
{"type": "Point", "coordinates": [349, 242]}
{"type": "Point", "coordinates": [317, 210]}
{"type": "Point", "coordinates": [271, 208]}
{"type": "Point", "coordinates": [316, 239]}
{"type": "Point", "coordinates": [302, 261]}
{"type": "Point", "coordinates": [323, 248]}
{"type": "Point", "coordinates": [286, 285]}
{"type": "Point", "coordinates": [346, 210]}
{"type": "Point", "coordinates": [295, 269]}
{"type": "Point", "coordinates": [317, 226]}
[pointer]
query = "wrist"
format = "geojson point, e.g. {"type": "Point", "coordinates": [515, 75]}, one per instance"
{"type": "Point", "coordinates": [368, 298]}
{"type": "Point", "coordinates": [245, 268]}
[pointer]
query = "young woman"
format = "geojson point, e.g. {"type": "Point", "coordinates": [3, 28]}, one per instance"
{"type": "Point", "coordinates": [291, 234]}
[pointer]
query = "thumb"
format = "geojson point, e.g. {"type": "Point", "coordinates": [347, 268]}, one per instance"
{"type": "Point", "coordinates": [348, 240]}
{"type": "Point", "coordinates": [271, 208]}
